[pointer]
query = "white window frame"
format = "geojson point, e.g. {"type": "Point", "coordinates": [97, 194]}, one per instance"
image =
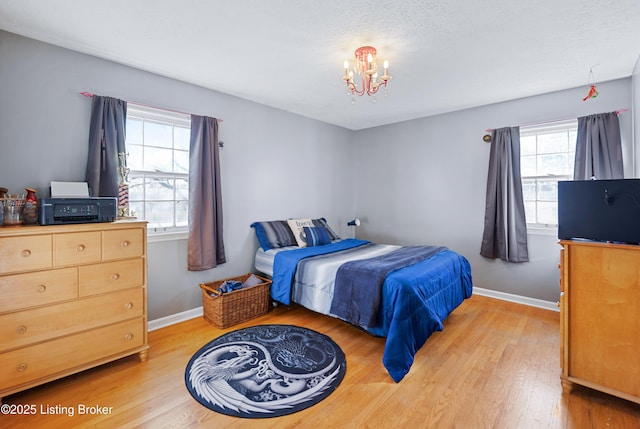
{"type": "Point", "coordinates": [175, 119]}
{"type": "Point", "coordinates": [568, 126]}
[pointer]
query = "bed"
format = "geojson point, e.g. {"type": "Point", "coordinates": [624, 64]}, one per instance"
{"type": "Point", "coordinates": [402, 293]}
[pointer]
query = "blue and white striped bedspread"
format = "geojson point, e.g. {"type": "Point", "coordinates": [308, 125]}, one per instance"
{"type": "Point", "coordinates": [415, 300]}
{"type": "Point", "coordinates": [286, 267]}
{"type": "Point", "coordinates": [314, 281]}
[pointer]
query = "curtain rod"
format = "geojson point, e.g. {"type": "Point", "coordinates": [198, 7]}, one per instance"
{"type": "Point", "coordinates": [557, 120]}
{"type": "Point", "coordinates": [89, 95]}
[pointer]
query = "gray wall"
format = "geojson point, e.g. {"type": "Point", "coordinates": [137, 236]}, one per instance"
{"type": "Point", "coordinates": [274, 164]}
{"type": "Point", "coordinates": [420, 181]}
{"type": "Point", "coordinates": [424, 181]}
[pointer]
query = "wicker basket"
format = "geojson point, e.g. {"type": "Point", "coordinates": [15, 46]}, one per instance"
{"type": "Point", "coordinates": [231, 308]}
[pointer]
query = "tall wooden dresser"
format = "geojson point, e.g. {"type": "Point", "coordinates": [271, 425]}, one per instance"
{"type": "Point", "coordinates": [600, 317]}
{"type": "Point", "coordinates": [71, 297]}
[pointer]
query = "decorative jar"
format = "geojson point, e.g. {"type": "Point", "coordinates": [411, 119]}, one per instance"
{"type": "Point", "coordinates": [13, 204]}
{"type": "Point", "coordinates": [30, 209]}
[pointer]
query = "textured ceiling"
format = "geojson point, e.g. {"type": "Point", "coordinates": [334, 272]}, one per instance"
{"type": "Point", "coordinates": [444, 55]}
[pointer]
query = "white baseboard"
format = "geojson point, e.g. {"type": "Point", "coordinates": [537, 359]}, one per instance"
{"type": "Point", "coordinates": [197, 312]}
{"type": "Point", "coordinates": [518, 299]}
{"type": "Point", "coordinates": [174, 318]}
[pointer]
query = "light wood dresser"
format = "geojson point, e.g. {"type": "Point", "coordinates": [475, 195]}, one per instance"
{"type": "Point", "coordinates": [71, 297]}
{"type": "Point", "coordinates": [600, 317]}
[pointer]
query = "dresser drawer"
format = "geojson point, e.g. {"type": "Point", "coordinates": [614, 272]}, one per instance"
{"type": "Point", "coordinates": [29, 252]}
{"type": "Point", "coordinates": [26, 290]}
{"type": "Point", "coordinates": [76, 248]}
{"type": "Point", "coordinates": [31, 326]}
{"type": "Point", "coordinates": [49, 358]}
{"type": "Point", "coordinates": [111, 276]}
{"type": "Point", "coordinates": [122, 244]}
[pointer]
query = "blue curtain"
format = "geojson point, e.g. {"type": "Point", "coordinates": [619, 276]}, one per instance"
{"type": "Point", "coordinates": [107, 132]}
{"type": "Point", "coordinates": [206, 245]}
{"type": "Point", "coordinates": [505, 225]}
{"type": "Point", "coordinates": [598, 148]}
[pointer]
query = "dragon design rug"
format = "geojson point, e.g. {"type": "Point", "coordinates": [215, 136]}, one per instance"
{"type": "Point", "coordinates": [265, 371]}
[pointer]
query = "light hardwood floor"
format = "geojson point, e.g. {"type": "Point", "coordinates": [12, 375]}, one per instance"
{"type": "Point", "coordinates": [495, 365]}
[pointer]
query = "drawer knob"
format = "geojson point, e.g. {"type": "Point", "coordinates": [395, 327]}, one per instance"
{"type": "Point", "coordinates": [26, 253]}
{"type": "Point", "coordinates": [80, 248]}
{"type": "Point", "coordinates": [129, 305]}
{"type": "Point", "coordinates": [128, 337]}
{"type": "Point", "coordinates": [21, 329]}
{"type": "Point", "coordinates": [42, 288]}
{"type": "Point", "coordinates": [21, 367]}
{"type": "Point", "coordinates": [115, 276]}
{"type": "Point", "coordinates": [124, 243]}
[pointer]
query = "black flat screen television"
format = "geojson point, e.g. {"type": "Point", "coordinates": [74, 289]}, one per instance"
{"type": "Point", "coordinates": [601, 210]}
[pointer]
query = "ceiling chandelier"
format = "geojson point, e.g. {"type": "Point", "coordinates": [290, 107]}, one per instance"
{"type": "Point", "coordinates": [365, 65]}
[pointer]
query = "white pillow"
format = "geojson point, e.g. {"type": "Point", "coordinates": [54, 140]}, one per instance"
{"type": "Point", "coordinates": [297, 227]}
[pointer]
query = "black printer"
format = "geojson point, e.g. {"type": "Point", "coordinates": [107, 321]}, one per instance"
{"type": "Point", "coordinates": [58, 211]}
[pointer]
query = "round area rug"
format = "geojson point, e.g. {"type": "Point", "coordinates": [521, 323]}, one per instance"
{"type": "Point", "coordinates": [265, 371]}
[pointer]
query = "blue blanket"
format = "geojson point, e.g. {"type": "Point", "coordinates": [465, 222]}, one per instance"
{"type": "Point", "coordinates": [358, 285]}
{"type": "Point", "coordinates": [415, 302]}
{"type": "Point", "coordinates": [285, 264]}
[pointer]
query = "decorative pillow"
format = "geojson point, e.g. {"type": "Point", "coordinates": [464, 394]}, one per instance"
{"type": "Point", "coordinates": [297, 226]}
{"type": "Point", "coordinates": [274, 234]}
{"type": "Point", "coordinates": [316, 235]}
{"type": "Point", "coordinates": [323, 223]}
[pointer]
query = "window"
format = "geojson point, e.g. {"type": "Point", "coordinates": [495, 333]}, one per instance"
{"type": "Point", "coordinates": [547, 154]}
{"type": "Point", "coordinates": [158, 146]}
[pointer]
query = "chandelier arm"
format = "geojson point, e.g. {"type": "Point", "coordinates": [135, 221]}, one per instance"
{"type": "Point", "coordinates": [377, 88]}
{"type": "Point", "coordinates": [356, 91]}
{"type": "Point", "coordinates": [351, 86]}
